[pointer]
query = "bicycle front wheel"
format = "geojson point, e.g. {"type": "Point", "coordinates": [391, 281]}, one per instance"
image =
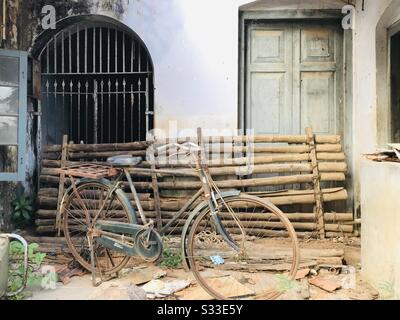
{"type": "Point", "coordinates": [248, 250]}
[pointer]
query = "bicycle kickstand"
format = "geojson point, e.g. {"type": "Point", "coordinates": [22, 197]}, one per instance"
{"type": "Point", "coordinates": [91, 248]}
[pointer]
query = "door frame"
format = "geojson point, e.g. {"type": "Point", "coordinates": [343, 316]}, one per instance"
{"type": "Point", "coordinates": [248, 17]}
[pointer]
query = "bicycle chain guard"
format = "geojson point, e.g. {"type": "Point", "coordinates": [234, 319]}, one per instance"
{"type": "Point", "coordinates": [130, 239]}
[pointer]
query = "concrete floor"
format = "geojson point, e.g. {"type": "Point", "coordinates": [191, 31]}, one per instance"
{"type": "Point", "coordinates": [81, 288]}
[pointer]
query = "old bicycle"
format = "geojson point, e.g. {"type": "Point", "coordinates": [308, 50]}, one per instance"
{"type": "Point", "coordinates": [225, 240]}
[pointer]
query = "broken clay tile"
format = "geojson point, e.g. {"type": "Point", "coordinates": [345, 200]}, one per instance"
{"type": "Point", "coordinates": [325, 284]}
{"type": "Point", "coordinates": [301, 274]}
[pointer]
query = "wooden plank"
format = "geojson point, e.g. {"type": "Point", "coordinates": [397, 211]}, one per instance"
{"type": "Point", "coordinates": [224, 184]}
{"type": "Point", "coordinates": [318, 208]}
{"type": "Point", "coordinates": [64, 155]}
{"type": "Point", "coordinates": [140, 145]}
{"type": "Point", "coordinates": [154, 183]}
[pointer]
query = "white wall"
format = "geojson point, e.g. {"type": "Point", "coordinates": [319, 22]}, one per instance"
{"type": "Point", "coordinates": [379, 182]}
{"type": "Point", "coordinates": [380, 254]}
{"type": "Point", "coordinates": [367, 113]}
{"type": "Point", "coordinates": [194, 45]}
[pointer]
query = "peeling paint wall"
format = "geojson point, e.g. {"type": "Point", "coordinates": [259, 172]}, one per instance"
{"type": "Point", "coordinates": [380, 254]}
{"type": "Point", "coordinates": [378, 186]}
{"type": "Point", "coordinates": [370, 114]}
{"type": "Point", "coordinates": [194, 46]}
{"type": "Point", "coordinates": [23, 18]}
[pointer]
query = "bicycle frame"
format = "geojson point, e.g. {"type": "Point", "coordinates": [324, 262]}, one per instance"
{"type": "Point", "coordinates": [206, 191]}
{"type": "Point", "coordinates": [112, 234]}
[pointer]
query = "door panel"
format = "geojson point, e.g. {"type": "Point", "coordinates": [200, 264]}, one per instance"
{"type": "Point", "coordinates": [318, 102]}
{"type": "Point", "coordinates": [267, 87]}
{"type": "Point", "coordinates": [317, 44]}
{"type": "Point", "coordinates": [267, 46]}
{"type": "Point", "coordinates": [296, 67]}
{"type": "Point", "coordinates": [269, 75]}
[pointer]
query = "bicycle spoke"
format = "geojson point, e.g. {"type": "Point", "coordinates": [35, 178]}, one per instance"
{"type": "Point", "coordinates": [226, 273]}
{"type": "Point", "coordinates": [89, 201]}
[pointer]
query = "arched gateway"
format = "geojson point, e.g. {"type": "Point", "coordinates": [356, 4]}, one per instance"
{"type": "Point", "coordinates": [96, 82]}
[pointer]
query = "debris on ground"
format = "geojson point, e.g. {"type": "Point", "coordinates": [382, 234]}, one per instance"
{"type": "Point", "coordinates": [386, 155]}
{"type": "Point", "coordinates": [161, 289]}
{"type": "Point", "coordinates": [136, 293]}
{"type": "Point", "coordinates": [325, 283]}
{"type": "Point", "coordinates": [305, 289]}
{"type": "Point", "coordinates": [66, 272]}
{"type": "Point", "coordinates": [110, 293]}
{"type": "Point", "coordinates": [142, 274]}
{"type": "Point", "coordinates": [301, 274]}
{"type": "Point", "coordinates": [227, 286]}
{"type": "Point", "coordinates": [329, 270]}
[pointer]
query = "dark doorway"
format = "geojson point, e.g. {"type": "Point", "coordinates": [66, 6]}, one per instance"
{"type": "Point", "coordinates": [395, 87]}
{"type": "Point", "coordinates": [97, 85]}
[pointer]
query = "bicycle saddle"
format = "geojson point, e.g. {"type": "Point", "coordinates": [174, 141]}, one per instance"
{"type": "Point", "coordinates": [124, 161]}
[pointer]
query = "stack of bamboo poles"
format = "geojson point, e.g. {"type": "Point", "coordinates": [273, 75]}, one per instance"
{"type": "Point", "coordinates": [298, 166]}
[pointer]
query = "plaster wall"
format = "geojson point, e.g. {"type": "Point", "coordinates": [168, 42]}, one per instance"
{"type": "Point", "coordinates": [380, 203]}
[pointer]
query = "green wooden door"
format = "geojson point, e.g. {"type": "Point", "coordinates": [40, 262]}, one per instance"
{"type": "Point", "coordinates": [294, 78]}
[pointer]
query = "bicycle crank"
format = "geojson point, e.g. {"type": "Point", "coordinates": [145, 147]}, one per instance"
{"type": "Point", "coordinates": [149, 245]}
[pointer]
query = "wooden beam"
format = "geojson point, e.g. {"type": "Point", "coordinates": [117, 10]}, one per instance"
{"type": "Point", "coordinates": [319, 200]}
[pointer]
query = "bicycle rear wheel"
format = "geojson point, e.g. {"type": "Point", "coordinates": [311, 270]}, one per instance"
{"type": "Point", "coordinates": [252, 270]}
{"type": "Point", "coordinates": [79, 212]}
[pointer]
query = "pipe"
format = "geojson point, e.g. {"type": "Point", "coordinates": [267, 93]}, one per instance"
{"type": "Point", "coordinates": [4, 21]}
{"type": "Point", "coordinates": [25, 279]}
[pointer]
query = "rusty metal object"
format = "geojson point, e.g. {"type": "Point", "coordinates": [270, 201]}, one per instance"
{"type": "Point", "coordinates": [4, 261]}
{"type": "Point", "coordinates": [89, 170]}
{"type": "Point", "coordinates": [99, 79]}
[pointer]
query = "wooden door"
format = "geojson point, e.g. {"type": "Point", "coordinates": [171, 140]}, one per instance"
{"type": "Point", "coordinates": [294, 78]}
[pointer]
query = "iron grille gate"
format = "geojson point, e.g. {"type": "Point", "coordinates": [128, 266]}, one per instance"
{"type": "Point", "coordinates": [97, 86]}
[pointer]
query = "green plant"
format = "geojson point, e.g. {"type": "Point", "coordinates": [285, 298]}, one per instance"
{"type": "Point", "coordinates": [171, 259]}
{"type": "Point", "coordinates": [16, 273]}
{"type": "Point", "coordinates": [387, 291]}
{"type": "Point", "coordinates": [23, 210]}
{"type": "Point", "coordinates": [285, 283]}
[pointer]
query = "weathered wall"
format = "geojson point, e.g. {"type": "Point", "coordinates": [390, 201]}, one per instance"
{"type": "Point", "coordinates": [365, 132]}
{"type": "Point", "coordinates": [22, 22]}
{"type": "Point", "coordinates": [9, 190]}
{"type": "Point", "coordinates": [381, 226]}
{"type": "Point", "coordinates": [378, 182]}
{"type": "Point", "coordinates": [194, 46]}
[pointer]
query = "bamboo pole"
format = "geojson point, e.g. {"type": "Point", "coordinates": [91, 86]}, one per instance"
{"type": "Point", "coordinates": [323, 148]}
{"type": "Point", "coordinates": [64, 155]}
{"type": "Point", "coordinates": [319, 201]}
{"type": "Point", "coordinates": [156, 192]}
{"type": "Point", "coordinates": [53, 192]}
{"type": "Point", "coordinates": [93, 155]}
{"type": "Point", "coordinates": [254, 227]}
{"type": "Point", "coordinates": [285, 158]}
{"type": "Point", "coordinates": [325, 139]}
{"type": "Point", "coordinates": [140, 145]}
{"type": "Point", "coordinates": [175, 205]}
{"type": "Point", "coordinates": [42, 230]}
{"type": "Point", "coordinates": [226, 171]}
{"type": "Point", "coordinates": [330, 148]}
{"type": "Point", "coordinates": [223, 184]}
{"type": "Point", "coordinates": [342, 218]}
